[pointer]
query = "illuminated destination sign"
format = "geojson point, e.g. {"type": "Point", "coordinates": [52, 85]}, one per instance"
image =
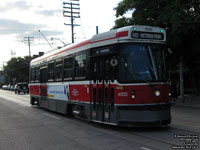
{"type": "Point", "coordinates": [147, 35]}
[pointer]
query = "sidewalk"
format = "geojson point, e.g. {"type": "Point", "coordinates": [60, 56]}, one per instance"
{"type": "Point", "coordinates": [189, 101]}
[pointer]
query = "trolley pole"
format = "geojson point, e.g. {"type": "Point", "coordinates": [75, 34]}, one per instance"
{"type": "Point", "coordinates": [97, 29]}
{"type": "Point", "coordinates": [71, 10]}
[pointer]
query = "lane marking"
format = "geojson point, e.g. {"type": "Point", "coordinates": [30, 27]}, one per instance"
{"type": "Point", "coordinates": [52, 116]}
{"type": "Point", "coordinates": [144, 148]}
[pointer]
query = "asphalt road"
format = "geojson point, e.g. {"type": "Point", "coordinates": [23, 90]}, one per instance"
{"type": "Point", "coordinates": [26, 127]}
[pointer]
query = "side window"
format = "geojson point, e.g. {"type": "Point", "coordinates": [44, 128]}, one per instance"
{"type": "Point", "coordinates": [68, 68]}
{"type": "Point", "coordinates": [51, 71]}
{"type": "Point", "coordinates": [32, 78]}
{"type": "Point", "coordinates": [80, 66]}
{"type": "Point", "coordinates": [43, 75]}
{"type": "Point", "coordinates": [37, 74]}
{"type": "Point", "coordinates": [59, 70]}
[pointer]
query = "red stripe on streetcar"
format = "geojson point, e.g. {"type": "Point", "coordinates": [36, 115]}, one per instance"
{"type": "Point", "coordinates": [74, 46]}
{"type": "Point", "coordinates": [84, 43]}
{"type": "Point", "coordinates": [121, 34]}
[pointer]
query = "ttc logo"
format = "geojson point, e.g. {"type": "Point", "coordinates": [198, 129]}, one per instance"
{"type": "Point", "coordinates": [75, 92]}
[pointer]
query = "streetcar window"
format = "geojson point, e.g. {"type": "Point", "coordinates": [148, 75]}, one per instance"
{"type": "Point", "coordinates": [37, 74]}
{"type": "Point", "coordinates": [32, 78]}
{"type": "Point", "coordinates": [142, 63]}
{"type": "Point", "coordinates": [59, 62]}
{"type": "Point", "coordinates": [80, 60]}
{"type": "Point", "coordinates": [58, 70]}
{"type": "Point", "coordinates": [43, 74]}
{"type": "Point", "coordinates": [51, 71]}
{"type": "Point", "coordinates": [80, 66]}
{"type": "Point", "coordinates": [68, 68]}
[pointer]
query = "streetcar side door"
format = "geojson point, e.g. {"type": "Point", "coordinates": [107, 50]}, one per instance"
{"type": "Point", "coordinates": [43, 87]}
{"type": "Point", "coordinates": [102, 93]}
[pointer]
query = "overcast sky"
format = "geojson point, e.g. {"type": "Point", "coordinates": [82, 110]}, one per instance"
{"type": "Point", "coordinates": [23, 18]}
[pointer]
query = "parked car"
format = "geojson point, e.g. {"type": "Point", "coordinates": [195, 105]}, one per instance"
{"type": "Point", "coordinates": [22, 87]}
{"type": "Point", "coordinates": [4, 87]}
{"type": "Point", "coordinates": [12, 87]}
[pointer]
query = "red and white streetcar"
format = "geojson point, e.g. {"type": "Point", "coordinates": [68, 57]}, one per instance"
{"type": "Point", "coordinates": [117, 77]}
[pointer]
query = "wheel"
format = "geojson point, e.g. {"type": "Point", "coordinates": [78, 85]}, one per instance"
{"type": "Point", "coordinates": [32, 101]}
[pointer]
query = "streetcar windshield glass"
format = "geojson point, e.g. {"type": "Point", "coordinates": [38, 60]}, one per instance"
{"type": "Point", "coordinates": [142, 63]}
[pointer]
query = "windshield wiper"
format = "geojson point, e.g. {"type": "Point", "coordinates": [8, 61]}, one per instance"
{"type": "Point", "coordinates": [153, 62]}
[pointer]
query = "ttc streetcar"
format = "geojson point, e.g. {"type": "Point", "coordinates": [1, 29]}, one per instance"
{"type": "Point", "coordinates": [117, 77]}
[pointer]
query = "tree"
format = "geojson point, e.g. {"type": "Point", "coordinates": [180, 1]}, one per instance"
{"type": "Point", "coordinates": [181, 18]}
{"type": "Point", "coordinates": [17, 70]}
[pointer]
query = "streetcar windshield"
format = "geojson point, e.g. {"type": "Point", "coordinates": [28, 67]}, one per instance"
{"type": "Point", "coordinates": [142, 63]}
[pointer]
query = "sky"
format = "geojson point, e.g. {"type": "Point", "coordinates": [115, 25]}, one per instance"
{"type": "Point", "coordinates": [24, 18]}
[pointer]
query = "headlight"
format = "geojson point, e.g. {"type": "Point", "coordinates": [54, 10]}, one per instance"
{"type": "Point", "coordinates": [157, 93]}
{"type": "Point", "coordinates": [133, 94]}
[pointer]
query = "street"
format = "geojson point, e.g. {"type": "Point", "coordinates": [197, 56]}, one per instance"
{"type": "Point", "coordinates": [26, 127]}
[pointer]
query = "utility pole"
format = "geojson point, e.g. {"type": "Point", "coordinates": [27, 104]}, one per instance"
{"type": "Point", "coordinates": [72, 10]}
{"type": "Point", "coordinates": [29, 40]}
{"type": "Point", "coordinates": [12, 53]}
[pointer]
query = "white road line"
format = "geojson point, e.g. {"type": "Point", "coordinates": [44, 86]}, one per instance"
{"type": "Point", "coordinates": [52, 116]}
{"type": "Point", "coordinates": [144, 148]}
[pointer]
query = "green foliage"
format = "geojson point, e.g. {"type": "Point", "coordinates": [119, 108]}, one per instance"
{"type": "Point", "coordinates": [181, 18]}
{"type": "Point", "coordinates": [17, 70]}
{"type": "Point", "coordinates": [123, 22]}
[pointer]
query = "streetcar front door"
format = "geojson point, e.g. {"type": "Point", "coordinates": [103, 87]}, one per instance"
{"type": "Point", "coordinates": [102, 97]}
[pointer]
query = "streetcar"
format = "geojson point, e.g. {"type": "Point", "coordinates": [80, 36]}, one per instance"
{"type": "Point", "coordinates": [118, 77]}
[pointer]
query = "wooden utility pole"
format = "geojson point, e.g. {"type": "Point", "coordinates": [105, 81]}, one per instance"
{"type": "Point", "coordinates": [72, 10]}
{"type": "Point", "coordinates": [12, 53]}
{"type": "Point", "coordinates": [29, 40]}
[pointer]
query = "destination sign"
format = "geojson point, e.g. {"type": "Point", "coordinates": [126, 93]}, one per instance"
{"type": "Point", "coordinates": [147, 35]}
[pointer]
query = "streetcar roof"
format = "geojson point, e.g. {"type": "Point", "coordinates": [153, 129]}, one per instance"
{"type": "Point", "coordinates": [97, 40]}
